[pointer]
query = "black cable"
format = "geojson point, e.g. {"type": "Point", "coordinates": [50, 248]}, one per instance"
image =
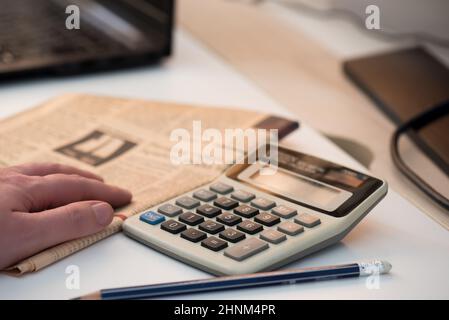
{"type": "Point", "coordinates": [417, 123]}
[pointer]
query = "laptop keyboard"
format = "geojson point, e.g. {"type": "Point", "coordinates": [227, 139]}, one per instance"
{"type": "Point", "coordinates": [30, 29]}
{"type": "Point", "coordinates": [237, 222]}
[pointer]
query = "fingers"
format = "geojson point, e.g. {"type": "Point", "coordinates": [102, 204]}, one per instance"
{"type": "Point", "coordinates": [58, 190]}
{"type": "Point", "coordinates": [69, 222]}
{"type": "Point", "coordinates": [43, 169]}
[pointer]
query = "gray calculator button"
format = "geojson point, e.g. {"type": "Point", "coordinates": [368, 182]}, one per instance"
{"type": "Point", "coordinates": [284, 212]}
{"type": "Point", "coordinates": [169, 210]}
{"type": "Point", "coordinates": [273, 236]}
{"type": "Point", "coordinates": [242, 196]}
{"type": "Point", "coordinates": [246, 249]}
{"type": "Point", "coordinates": [307, 220]}
{"type": "Point", "coordinates": [221, 188]}
{"type": "Point", "coordinates": [187, 202]}
{"type": "Point", "coordinates": [290, 228]}
{"type": "Point", "coordinates": [263, 204]}
{"type": "Point", "coordinates": [204, 195]}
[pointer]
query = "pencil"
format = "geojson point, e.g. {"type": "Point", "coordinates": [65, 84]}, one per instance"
{"type": "Point", "coordinates": [357, 269]}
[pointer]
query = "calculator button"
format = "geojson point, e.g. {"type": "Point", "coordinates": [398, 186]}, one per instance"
{"type": "Point", "coordinates": [191, 218]}
{"type": "Point", "coordinates": [273, 236]}
{"type": "Point", "coordinates": [232, 235]}
{"type": "Point", "coordinates": [208, 211]}
{"type": "Point", "coordinates": [221, 188]}
{"type": "Point", "coordinates": [193, 235]}
{"type": "Point", "coordinates": [229, 219]}
{"type": "Point", "coordinates": [290, 228]}
{"type": "Point", "coordinates": [211, 227]}
{"type": "Point", "coordinates": [307, 220]}
{"type": "Point", "coordinates": [284, 212]}
{"type": "Point", "coordinates": [205, 195]}
{"type": "Point", "coordinates": [242, 196]}
{"type": "Point", "coordinates": [246, 249]}
{"type": "Point", "coordinates": [226, 203]}
{"type": "Point", "coordinates": [169, 210]}
{"type": "Point", "coordinates": [214, 244]}
{"type": "Point", "coordinates": [267, 219]}
{"type": "Point", "coordinates": [152, 217]}
{"type": "Point", "coordinates": [246, 211]}
{"type": "Point", "coordinates": [263, 204]}
{"type": "Point", "coordinates": [250, 227]}
{"type": "Point", "coordinates": [187, 202]}
{"type": "Point", "coordinates": [173, 226]}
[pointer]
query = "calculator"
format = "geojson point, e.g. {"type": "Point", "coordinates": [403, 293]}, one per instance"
{"type": "Point", "coordinates": [246, 221]}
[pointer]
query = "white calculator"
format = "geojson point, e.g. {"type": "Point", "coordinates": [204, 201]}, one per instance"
{"type": "Point", "coordinates": [247, 222]}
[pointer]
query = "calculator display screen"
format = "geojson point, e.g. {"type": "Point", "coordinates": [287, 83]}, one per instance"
{"type": "Point", "coordinates": [307, 181]}
{"type": "Point", "coordinates": [301, 188]}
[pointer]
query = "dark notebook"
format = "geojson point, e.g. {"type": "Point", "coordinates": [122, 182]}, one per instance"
{"type": "Point", "coordinates": [403, 84]}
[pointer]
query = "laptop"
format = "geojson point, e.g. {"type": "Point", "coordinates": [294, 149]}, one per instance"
{"type": "Point", "coordinates": [47, 38]}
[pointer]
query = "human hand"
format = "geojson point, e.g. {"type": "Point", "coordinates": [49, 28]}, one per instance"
{"type": "Point", "coordinates": [42, 205]}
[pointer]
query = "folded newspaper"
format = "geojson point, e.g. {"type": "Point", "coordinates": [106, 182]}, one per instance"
{"type": "Point", "coordinates": [125, 141]}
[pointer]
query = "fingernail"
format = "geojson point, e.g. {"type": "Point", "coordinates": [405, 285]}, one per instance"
{"type": "Point", "coordinates": [103, 213]}
{"type": "Point", "coordinates": [128, 194]}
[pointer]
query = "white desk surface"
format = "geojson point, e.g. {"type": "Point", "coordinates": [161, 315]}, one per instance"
{"type": "Point", "coordinates": [396, 231]}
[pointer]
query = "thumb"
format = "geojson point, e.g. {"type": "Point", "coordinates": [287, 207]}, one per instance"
{"type": "Point", "coordinates": [71, 221]}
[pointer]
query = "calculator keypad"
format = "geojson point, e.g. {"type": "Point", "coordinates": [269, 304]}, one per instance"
{"type": "Point", "coordinates": [240, 223]}
{"type": "Point", "coordinates": [211, 227]}
{"type": "Point", "coordinates": [273, 236]}
{"type": "Point", "coordinates": [246, 211]}
{"type": "Point", "coordinates": [208, 211]}
{"type": "Point", "coordinates": [205, 195]}
{"type": "Point", "coordinates": [221, 188]}
{"type": "Point", "coordinates": [290, 228]}
{"type": "Point", "coordinates": [214, 244]}
{"type": "Point", "coordinates": [152, 217]}
{"type": "Point", "coordinates": [263, 204]}
{"type": "Point", "coordinates": [226, 203]}
{"type": "Point", "coordinates": [191, 218]}
{"type": "Point", "coordinates": [242, 196]}
{"type": "Point", "coordinates": [193, 235]}
{"type": "Point", "coordinates": [284, 212]}
{"type": "Point", "coordinates": [267, 219]}
{"type": "Point", "coordinates": [187, 202]}
{"type": "Point", "coordinates": [246, 249]}
{"type": "Point", "coordinates": [232, 235]}
{"type": "Point", "coordinates": [250, 227]}
{"type": "Point", "coordinates": [173, 226]}
{"type": "Point", "coordinates": [307, 220]}
{"type": "Point", "coordinates": [169, 210]}
{"type": "Point", "coordinates": [229, 219]}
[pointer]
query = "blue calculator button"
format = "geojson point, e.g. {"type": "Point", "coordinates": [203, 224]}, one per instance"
{"type": "Point", "coordinates": [152, 217]}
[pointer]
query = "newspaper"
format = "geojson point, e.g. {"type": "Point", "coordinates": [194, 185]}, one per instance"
{"type": "Point", "coordinates": [125, 141]}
